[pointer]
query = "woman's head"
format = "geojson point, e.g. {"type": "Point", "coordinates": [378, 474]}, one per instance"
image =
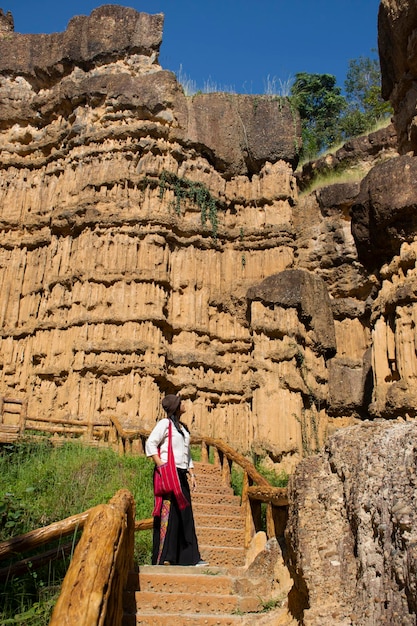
{"type": "Point", "coordinates": [172, 405]}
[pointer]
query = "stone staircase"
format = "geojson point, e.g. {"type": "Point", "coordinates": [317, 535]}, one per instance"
{"type": "Point", "coordinates": [160, 595]}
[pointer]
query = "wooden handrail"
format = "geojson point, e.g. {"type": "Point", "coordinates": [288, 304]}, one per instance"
{"type": "Point", "coordinates": [92, 591]}
{"type": "Point", "coordinates": [233, 456]}
{"type": "Point", "coordinates": [40, 536]}
{"type": "Point", "coordinates": [256, 489]}
{"type": "Point", "coordinates": [275, 495]}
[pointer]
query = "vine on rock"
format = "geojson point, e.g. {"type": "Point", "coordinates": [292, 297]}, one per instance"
{"type": "Point", "coordinates": [197, 193]}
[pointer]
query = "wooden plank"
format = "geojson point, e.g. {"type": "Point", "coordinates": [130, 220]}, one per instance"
{"type": "Point", "coordinates": [34, 421]}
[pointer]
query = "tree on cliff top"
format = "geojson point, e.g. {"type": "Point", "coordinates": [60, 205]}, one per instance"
{"type": "Point", "coordinates": [328, 117]}
{"type": "Point", "coordinates": [320, 104]}
{"type": "Point", "coordinates": [365, 106]}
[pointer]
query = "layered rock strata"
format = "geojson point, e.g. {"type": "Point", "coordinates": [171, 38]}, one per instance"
{"type": "Point", "coordinates": [133, 221]}
{"type": "Point", "coordinates": [151, 242]}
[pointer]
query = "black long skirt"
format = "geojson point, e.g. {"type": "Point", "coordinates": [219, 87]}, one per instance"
{"type": "Point", "coordinates": [174, 537]}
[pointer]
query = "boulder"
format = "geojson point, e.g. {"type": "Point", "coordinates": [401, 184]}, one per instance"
{"type": "Point", "coordinates": [308, 294]}
{"type": "Point", "coordinates": [352, 528]}
{"type": "Point", "coordinates": [384, 213]}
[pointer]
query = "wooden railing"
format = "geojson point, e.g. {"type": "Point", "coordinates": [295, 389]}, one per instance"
{"type": "Point", "coordinates": [256, 488]}
{"type": "Point", "coordinates": [111, 433]}
{"type": "Point", "coordinates": [92, 591]}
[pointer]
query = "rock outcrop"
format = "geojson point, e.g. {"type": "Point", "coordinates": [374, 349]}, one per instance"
{"type": "Point", "coordinates": [352, 529]}
{"type": "Point", "coordinates": [397, 43]}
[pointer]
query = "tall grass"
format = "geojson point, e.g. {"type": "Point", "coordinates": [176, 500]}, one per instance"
{"type": "Point", "coordinates": [40, 484]}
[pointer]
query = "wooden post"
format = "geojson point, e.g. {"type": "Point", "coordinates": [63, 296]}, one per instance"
{"type": "Point", "coordinates": [256, 509]}
{"type": "Point", "coordinates": [204, 452]}
{"type": "Point", "coordinates": [270, 525]}
{"type": "Point", "coordinates": [226, 470]}
{"type": "Point", "coordinates": [216, 454]}
{"type": "Point", "coordinates": [280, 515]}
{"type": "Point", "coordinates": [249, 525]}
{"type": "Point", "coordinates": [138, 447]}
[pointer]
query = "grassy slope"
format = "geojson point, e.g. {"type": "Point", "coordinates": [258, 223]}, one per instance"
{"type": "Point", "coordinates": [40, 484]}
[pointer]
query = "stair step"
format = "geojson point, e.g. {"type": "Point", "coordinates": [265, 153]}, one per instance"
{"type": "Point", "coordinates": [215, 498]}
{"type": "Point", "coordinates": [202, 508]}
{"type": "Point", "coordinates": [181, 619]}
{"type": "Point", "coordinates": [207, 468]}
{"type": "Point", "coordinates": [220, 536]}
{"type": "Point", "coordinates": [212, 486]}
{"type": "Point", "coordinates": [237, 522]}
{"type": "Point", "coordinates": [167, 603]}
{"type": "Point", "coordinates": [178, 579]}
{"type": "Point", "coordinates": [221, 556]}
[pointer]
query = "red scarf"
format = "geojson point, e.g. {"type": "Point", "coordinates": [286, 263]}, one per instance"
{"type": "Point", "coordinates": [169, 479]}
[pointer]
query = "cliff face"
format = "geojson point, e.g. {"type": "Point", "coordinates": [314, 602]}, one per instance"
{"type": "Point", "coordinates": [352, 528]}
{"type": "Point", "coordinates": [153, 242]}
{"type": "Point", "coordinates": [133, 220]}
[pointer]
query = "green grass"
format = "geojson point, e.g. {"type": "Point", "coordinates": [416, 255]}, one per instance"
{"type": "Point", "coordinates": [348, 175]}
{"type": "Point", "coordinates": [40, 484]}
{"type": "Point", "coordinates": [276, 479]}
{"type": "Point", "coordinates": [343, 173]}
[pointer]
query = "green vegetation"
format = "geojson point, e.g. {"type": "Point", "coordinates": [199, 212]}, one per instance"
{"type": "Point", "coordinates": [328, 117]}
{"type": "Point", "coordinates": [331, 177]}
{"type": "Point", "coordinates": [320, 103]}
{"type": "Point", "coordinates": [365, 106]}
{"type": "Point", "coordinates": [270, 605]}
{"type": "Point", "coordinates": [40, 484]}
{"type": "Point", "coordinates": [276, 479]}
{"type": "Point", "coordinates": [197, 193]}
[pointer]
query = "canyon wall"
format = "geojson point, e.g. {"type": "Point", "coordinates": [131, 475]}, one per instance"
{"type": "Point", "coordinates": [153, 242]}
{"type": "Point", "coordinates": [133, 220]}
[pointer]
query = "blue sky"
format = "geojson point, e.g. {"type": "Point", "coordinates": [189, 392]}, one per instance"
{"type": "Point", "coordinates": [240, 45]}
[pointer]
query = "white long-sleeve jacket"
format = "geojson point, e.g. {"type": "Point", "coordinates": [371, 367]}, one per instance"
{"type": "Point", "coordinates": [180, 444]}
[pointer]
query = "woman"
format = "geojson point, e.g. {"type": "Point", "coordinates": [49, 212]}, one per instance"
{"type": "Point", "coordinates": [174, 538]}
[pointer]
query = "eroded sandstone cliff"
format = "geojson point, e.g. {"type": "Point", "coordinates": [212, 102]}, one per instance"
{"type": "Point", "coordinates": [352, 526]}
{"type": "Point", "coordinates": [151, 241]}
{"type": "Point", "coordinates": [133, 221]}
